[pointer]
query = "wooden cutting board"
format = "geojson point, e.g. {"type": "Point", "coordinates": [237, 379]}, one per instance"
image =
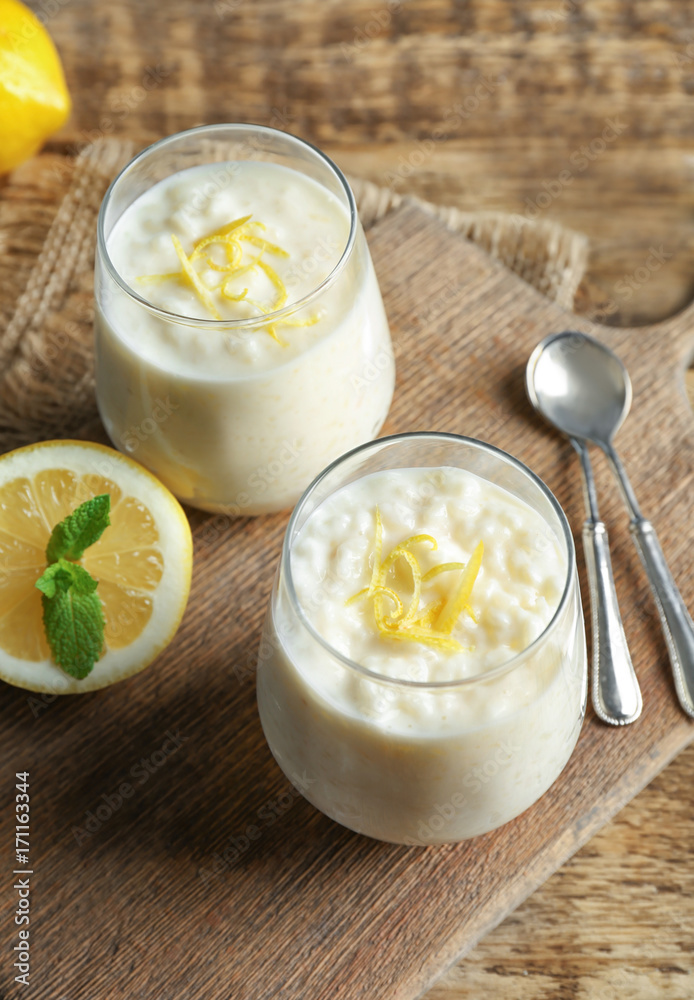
{"type": "Point", "coordinates": [214, 879]}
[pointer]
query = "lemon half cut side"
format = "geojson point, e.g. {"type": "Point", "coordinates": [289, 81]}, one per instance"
{"type": "Point", "coordinates": [143, 560]}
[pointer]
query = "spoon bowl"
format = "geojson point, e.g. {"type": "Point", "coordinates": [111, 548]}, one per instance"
{"type": "Point", "coordinates": [580, 386]}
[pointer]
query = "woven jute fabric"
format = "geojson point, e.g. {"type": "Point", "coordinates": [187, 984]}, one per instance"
{"type": "Point", "coordinates": [46, 353]}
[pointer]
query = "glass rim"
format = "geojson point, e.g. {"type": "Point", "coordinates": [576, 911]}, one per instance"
{"type": "Point", "coordinates": [240, 323]}
{"type": "Point", "coordinates": [482, 676]}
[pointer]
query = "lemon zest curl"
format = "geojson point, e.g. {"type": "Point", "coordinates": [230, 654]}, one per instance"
{"type": "Point", "coordinates": [433, 623]}
{"type": "Point", "coordinates": [230, 238]}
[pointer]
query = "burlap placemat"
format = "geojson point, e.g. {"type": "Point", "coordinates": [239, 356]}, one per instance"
{"type": "Point", "coordinates": [46, 357]}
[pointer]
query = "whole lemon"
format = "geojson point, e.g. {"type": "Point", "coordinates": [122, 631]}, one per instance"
{"type": "Point", "coordinates": [34, 101]}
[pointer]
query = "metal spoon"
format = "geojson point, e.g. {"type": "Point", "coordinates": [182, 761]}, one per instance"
{"type": "Point", "coordinates": [587, 391]}
{"type": "Point", "coordinates": [557, 392]}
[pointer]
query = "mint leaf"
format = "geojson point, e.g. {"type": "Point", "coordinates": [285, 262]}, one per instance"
{"type": "Point", "coordinates": [56, 577]}
{"type": "Point", "coordinates": [73, 619]}
{"type": "Point", "coordinates": [80, 529]}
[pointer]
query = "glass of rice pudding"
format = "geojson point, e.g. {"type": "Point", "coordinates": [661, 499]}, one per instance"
{"type": "Point", "coordinates": [241, 340]}
{"type": "Point", "coordinates": [422, 672]}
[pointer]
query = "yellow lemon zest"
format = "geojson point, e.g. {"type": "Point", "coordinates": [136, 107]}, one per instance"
{"type": "Point", "coordinates": [194, 278]}
{"type": "Point", "coordinates": [230, 237]}
{"type": "Point", "coordinates": [230, 242]}
{"type": "Point", "coordinates": [270, 328]}
{"type": "Point", "coordinates": [402, 552]}
{"type": "Point", "coordinates": [229, 295]}
{"type": "Point", "coordinates": [443, 568]}
{"type": "Point", "coordinates": [357, 597]}
{"type": "Point", "coordinates": [220, 233]}
{"type": "Point", "coordinates": [238, 271]}
{"type": "Point", "coordinates": [427, 616]}
{"type": "Point", "coordinates": [257, 241]}
{"type": "Point", "coordinates": [417, 540]}
{"type": "Point", "coordinates": [275, 336]}
{"type": "Point", "coordinates": [234, 254]}
{"type": "Point", "coordinates": [433, 623]}
{"type": "Point", "coordinates": [310, 321]}
{"type": "Point", "coordinates": [459, 598]}
{"type": "Point", "coordinates": [446, 568]}
{"type": "Point", "coordinates": [277, 282]}
{"type": "Point", "coordinates": [426, 636]}
{"type": "Point", "coordinates": [386, 592]}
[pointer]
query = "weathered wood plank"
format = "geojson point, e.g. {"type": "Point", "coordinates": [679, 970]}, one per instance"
{"type": "Point", "coordinates": [306, 908]}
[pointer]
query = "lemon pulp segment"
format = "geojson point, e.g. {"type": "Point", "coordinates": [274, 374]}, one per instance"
{"type": "Point", "coordinates": [127, 560]}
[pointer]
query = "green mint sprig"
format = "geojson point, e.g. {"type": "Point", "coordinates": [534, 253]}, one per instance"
{"type": "Point", "coordinates": [73, 619]}
{"type": "Point", "coordinates": [80, 529]}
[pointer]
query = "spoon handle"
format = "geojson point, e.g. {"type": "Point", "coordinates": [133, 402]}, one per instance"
{"type": "Point", "coordinates": [615, 689]}
{"type": "Point", "coordinates": [674, 617]}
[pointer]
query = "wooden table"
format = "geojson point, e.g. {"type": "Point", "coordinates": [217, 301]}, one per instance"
{"type": "Point", "coordinates": [532, 87]}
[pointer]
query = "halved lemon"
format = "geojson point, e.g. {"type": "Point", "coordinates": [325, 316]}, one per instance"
{"type": "Point", "coordinates": [143, 560]}
{"type": "Point", "coordinates": [34, 101]}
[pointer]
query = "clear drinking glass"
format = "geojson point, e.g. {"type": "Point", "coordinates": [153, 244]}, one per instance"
{"type": "Point", "coordinates": [185, 396]}
{"type": "Point", "coordinates": [499, 739]}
